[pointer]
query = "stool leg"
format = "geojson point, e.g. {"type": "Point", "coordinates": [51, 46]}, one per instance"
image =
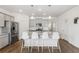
{"type": "Point", "coordinates": [42, 49]}
{"type": "Point", "coordinates": [38, 49]}
{"type": "Point", "coordinates": [52, 49]}
{"type": "Point", "coordinates": [31, 49]}
{"type": "Point", "coordinates": [28, 48]}
{"type": "Point", "coordinates": [49, 49]}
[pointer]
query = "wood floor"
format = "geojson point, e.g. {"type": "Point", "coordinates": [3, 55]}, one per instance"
{"type": "Point", "coordinates": [40, 50]}
{"type": "Point", "coordinates": [67, 47]}
{"type": "Point", "coordinates": [18, 47]}
{"type": "Point", "coordinates": [13, 48]}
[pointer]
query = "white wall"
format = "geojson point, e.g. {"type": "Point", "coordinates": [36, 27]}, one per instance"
{"type": "Point", "coordinates": [23, 21]}
{"type": "Point", "coordinates": [66, 26]}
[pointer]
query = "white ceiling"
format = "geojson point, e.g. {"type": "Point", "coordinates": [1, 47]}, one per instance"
{"type": "Point", "coordinates": [38, 10]}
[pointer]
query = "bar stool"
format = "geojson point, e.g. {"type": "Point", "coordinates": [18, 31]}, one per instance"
{"type": "Point", "coordinates": [55, 37]}
{"type": "Point", "coordinates": [34, 39]}
{"type": "Point", "coordinates": [26, 39]}
{"type": "Point", "coordinates": [44, 38]}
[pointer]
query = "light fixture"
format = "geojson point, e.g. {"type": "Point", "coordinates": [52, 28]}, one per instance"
{"type": "Point", "coordinates": [50, 17]}
{"type": "Point", "coordinates": [32, 17]}
{"type": "Point", "coordinates": [76, 20]}
{"type": "Point", "coordinates": [20, 10]}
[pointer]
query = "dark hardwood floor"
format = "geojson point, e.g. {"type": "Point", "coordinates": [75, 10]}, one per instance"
{"type": "Point", "coordinates": [67, 47]}
{"type": "Point", "coordinates": [14, 48]}
{"type": "Point", "coordinates": [18, 47]}
{"type": "Point", "coordinates": [40, 50]}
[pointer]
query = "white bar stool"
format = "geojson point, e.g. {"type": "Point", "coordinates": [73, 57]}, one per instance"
{"type": "Point", "coordinates": [55, 37]}
{"type": "Point", "coordinates": [44, 38]}
{"type": "Point", "coordinates": [26, 39]}
{"type": "Point", "coordinates": [34, 39]}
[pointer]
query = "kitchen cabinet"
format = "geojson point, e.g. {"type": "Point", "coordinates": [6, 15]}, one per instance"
{"type": "Point", "coordinates": [1, 20]}
{"type": "Point", "coordinates": [7, 17]}
{"type": "Point", "coordinates": [35, 24]}
{"type": "Point", "coordinates": [11, 18]}
{"type": "Point", "coordinates": [4, 40]}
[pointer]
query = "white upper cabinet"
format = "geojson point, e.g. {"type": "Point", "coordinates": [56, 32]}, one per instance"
{"type": "Point", "coordinates": [4, 17]}
{"type": "Point", "coordinates": [12, 18]}
{"type": "Point", "coordinates": [1, 20]}
{"type": "Point", "coordinates": [7, 17]}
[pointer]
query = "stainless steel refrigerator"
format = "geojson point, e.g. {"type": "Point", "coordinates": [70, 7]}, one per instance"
{"type": "Point", "coordinates": [12, 29]}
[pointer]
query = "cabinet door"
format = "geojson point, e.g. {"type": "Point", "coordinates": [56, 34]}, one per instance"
{"type": "Point", "coordinates": [12, 18]}
{"type": "Point", "coordinates": [3, 41]}
{"type": "Point", "coordinates": [7, 17]}
{"type": "Point", "coordinates": [1, 20]}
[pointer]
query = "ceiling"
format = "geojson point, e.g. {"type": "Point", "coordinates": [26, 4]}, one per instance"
{"type": "Point", "coordinates": [38, 10]}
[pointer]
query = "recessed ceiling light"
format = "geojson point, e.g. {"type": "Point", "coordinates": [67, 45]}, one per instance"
{"type": "Point", "coordinates": [50, 17]}
{"type": "Point", "coordinates": [20, 10]}
{"type": "Point", "coordinates": [39, 9]}
{"type": "Point", "coordinates": [31, 17]}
